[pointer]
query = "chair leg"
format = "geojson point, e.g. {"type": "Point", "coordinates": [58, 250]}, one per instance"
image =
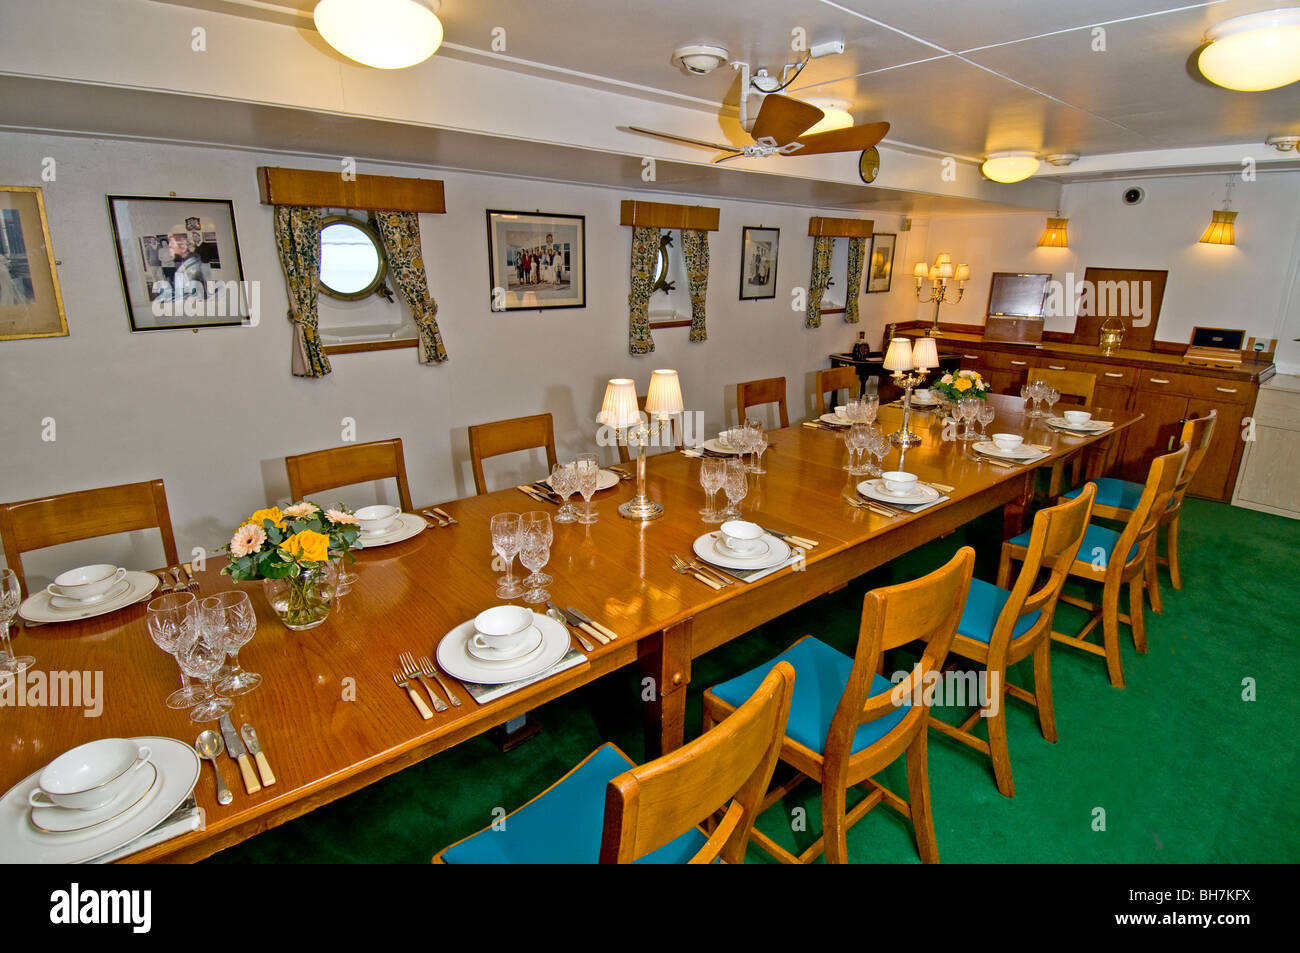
{"type": "Point", "coordinates": [1171, 544]}
{"type": "Point", "coordinates": [1110, 634]}
{"type": "Point", "coordinates": [999, 750]}
{"type": "Point", "coordinates": [1137, 611]}
{"type": "Point", "coordinates": [1153, 579]}
{"type": "Point", "coordinates": [834, 829]}
{"type": "Point", "coordinates": [1043, 690]}
{"type": "Point", "coordinates": [918, 791]}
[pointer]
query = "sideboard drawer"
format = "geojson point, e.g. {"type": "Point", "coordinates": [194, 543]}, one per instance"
{"type": "Point", "coordinates": [1207, 388]}
{"type": "Point", "coordinates": [1011, 361]}
{"type": "Point", "coordinates": [1111, 375]}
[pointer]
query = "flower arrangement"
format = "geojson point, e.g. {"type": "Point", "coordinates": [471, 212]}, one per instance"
{"type": "Point", "coordinates": [961, 384]}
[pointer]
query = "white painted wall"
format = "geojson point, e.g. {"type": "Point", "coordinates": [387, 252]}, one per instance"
{"type": "Point", "coordinates": [215, 413]}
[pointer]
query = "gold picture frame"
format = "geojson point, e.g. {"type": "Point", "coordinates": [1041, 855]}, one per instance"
{"type": "Point", "coordinates": [31, 302]}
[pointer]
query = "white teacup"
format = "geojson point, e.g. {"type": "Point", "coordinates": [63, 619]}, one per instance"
{"type": "Point", "coordinates": [376, 519]}
{"type": "Point", "coordinates": [1007, 441]}
{"type": "Point", "coordinates": [741, 536]}
{"type": "Point", "coordinates": [842, 411]}
{"type": "Point", "coordinates": [1077, 417]}
{"type": "Point", "coordinates": [922, 394]}
{"type": "Point", "coordinates": [89, 776]}
{"type": "Point", "coordinates": [899, 483]}
{"type": "Point", "coordinates": [86, 583]}
{"type": "Point", "coordinates": [502, 629]}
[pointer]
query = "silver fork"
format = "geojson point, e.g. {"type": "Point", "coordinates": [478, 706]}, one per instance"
{"type": "Point", "coordinates": [413, 671]}
{"type": "Point", "coordinates": [717, 574]}
{"type": "Point", "coordinates": [680, 565]}
{"type": "Point", "coordinates": [420, 706]}
{"type": "Point", "coordinates": [192, 584]}
{"type": "Point", "coordinates": [428, 668]}
{"type": "Point", "coordinates": [437, 519]}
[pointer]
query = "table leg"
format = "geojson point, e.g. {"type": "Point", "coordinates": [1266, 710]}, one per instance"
{"type": "Point", "coordinates": [1013, 513]}
{"type": "Point", "coordinates": [666, 671]}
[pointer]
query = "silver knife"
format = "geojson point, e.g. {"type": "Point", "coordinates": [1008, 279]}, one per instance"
{"type": "Point", "coordinates": [603, 629]}
{"type": "Point", "coordinates": [236, 749]}
{"type": "Point", "coordinates": [255, 749]}
{"type": "Point", "coordinates": [576, 631]}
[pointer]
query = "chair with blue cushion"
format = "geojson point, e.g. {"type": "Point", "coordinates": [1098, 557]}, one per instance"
{"type": "Point", "coordinates": [1116, 500]}
{"type": "Point", "coordinates": [1002, 626]}
{"type": "Point", "coordinates": [1113, 559]}
{"type": "Point", "coordinates": [847, 723]}
{"type": "Point", "coordinates": [609, 810]}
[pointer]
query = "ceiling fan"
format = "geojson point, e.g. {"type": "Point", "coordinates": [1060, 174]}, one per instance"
{"type": "Point", "coordinates": [781, 127]}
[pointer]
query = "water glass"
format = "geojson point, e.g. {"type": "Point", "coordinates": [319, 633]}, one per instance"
{"type": "Point", "coordinates": [735, 484]}
{"type": "Point", "coordinates": [506, 529]}
{"type": "Point", "coordinates": [858, 441]}
{"type": "Point", "coordinates": [588, 471]}
{"type": "Point", "coordinates": [712, 473]}
{"type": "Point", "coordinates": [759, 448]}
{"type": "Point", "coordinates": [564, 481]}
{"type": "Point", "coordinates": [231, 613]}
{"type": "Point", "coordinates": [536, 523]}
{"type": "Point", "coordinates": [534, 555]}
{"type": "Point", "coordinates": [878, 445]}
{"type": "Point", "coordinates": [967, 410]}
{"type": "Point", "coordinates": [11, 597]}
{"type": "Point", "coordinates": [202, 651]}
{"type": "Point", "coordinates": [168, 618]}
{"type": "Point", "coordinates": [985, 416]}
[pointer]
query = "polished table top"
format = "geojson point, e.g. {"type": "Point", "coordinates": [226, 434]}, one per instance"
{"type": "Point", "coordinates": [328, 713]}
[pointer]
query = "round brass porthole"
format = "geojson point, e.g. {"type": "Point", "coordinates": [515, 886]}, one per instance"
{"type": "Point", "coordinates": [352, 260]}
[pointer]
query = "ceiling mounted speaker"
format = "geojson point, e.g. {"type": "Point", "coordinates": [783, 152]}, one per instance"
{"type": "Point", "coordinates": [1254, 52]}
{"type": "Point", "coordinates": [385, 34]}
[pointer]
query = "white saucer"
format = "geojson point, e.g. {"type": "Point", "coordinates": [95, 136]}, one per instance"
{"type": "Point", "coordinates": [39, 607]}
{"type": "Point", "coordinates": [67, 602]}
{"type": "Point", "coordinates": [495, 657]}
{"type": "Point", "coordinates": [458, 663]}
{"type": "Point", "coordinates": [834, 420]}
{"type": "Point", "coordinates": [991, 449]}
{"type": "Point", "coordinates": [722, 549]}
{"type": "Point", "coordinates": [408, 525]}
{"type": "Point", "coordinates": [918, 402]}
{"type": "Point", "coordinates": [875, 489]}
{"type": "Point", "coordinates": [706, 549]}
{"type": "Point", "coordinates": [21, 843]}
{"type": "Point", "coordinates": [604, 480]}
{"type": "Point", "coordinates": [62, 820]}
{"type": "Point", "coordinates": [1091, 426]}
{"type": "Point", "coordinates": [715, 445]}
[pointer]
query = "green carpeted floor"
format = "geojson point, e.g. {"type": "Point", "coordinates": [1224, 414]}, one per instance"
{"type": "Point", "coordinates": [1184, 768]}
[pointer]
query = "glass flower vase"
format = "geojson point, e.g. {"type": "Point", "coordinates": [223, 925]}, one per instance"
{"type": "Point", "coordinates": [303, 601]}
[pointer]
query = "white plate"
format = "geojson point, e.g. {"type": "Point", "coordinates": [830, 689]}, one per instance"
{"type": "Point", "coordinates": [991, 449]}
{"type": "Point", "coordinates": [875, 489]}
{"type": "Point", "coordinates": [834, 421]}
{"type": "Point", "coordinates": [705, 549]}
{"type": "Point", "coordinates": [63, 602]}
{"type": "Point", "coordinates": [21, 843]}
{"type": "Point", "coordinates": [62, 820]}
{"type": "Point", "coordinates": [458, 663]}
{"type": "Point", "coordinates": [722, 549]}
{"type": "Point", "coordinates": [1091, 426]}
{"type": "Point", "coordinates": [715, 445]}
{"type": "Point", "coordinates": [39, 607]}
{"type": "Point", "coordinates": [494, 657]}
{"type": "Point", "coordinates": [408, 525]}
{"type": "Point", "coordinates": [604, 480]}
{"type": "Point", "coordinates": [918, 402]}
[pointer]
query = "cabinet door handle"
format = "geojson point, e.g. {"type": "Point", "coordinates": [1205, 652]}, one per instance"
{"type": "Point", "coordinates": [971, 357]}
{"type": "Point", "coordinates": [1020, 363]}
{"type": "Point", "coordinates": [1114, 373]}
{"type": "Point", "coordinates": [1226, 390]}
{"type": "Point", "coordinates": [1158, 380]}
{"type": "Point", "coordinates": [1056, 367]}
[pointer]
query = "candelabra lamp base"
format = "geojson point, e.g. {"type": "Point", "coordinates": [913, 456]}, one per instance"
{"type": "Point", "coordinates": [640, 508]}
{"type": "Point", "coordinates": [904, 438]}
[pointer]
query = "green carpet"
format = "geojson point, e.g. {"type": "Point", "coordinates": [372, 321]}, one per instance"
{"type": "Point", "coordinates": [1177, 768]}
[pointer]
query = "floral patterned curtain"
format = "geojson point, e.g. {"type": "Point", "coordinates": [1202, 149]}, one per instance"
{"type": "Point", "coordinates": [645, 248]}
{"type": "Point", "coordinates": [400, 232]}
{"type": "Point", "coordinates": [695, 251]}
{"type": "Point", "coordinates": [857, 254]}
{"type": "Point", "coordinates": [823, 249]}
{"type": "Point", "coordinates": [297, 239]}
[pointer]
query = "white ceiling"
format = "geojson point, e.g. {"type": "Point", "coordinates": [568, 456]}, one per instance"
{"type": "Point", "coordinates": [960, 77]}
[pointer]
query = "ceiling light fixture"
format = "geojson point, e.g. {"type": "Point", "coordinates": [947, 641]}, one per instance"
{"type": "Point", "coordinates": [1054, 234]}
{"type": "Point", "coordinates": [836, 115]}
{"type": "Point", "coordinates": [1060, 159]}
{"type": "Point", "coordinates": [1254, 52]}
{"type": "Point", "coordinates": [1010, 166]}
{"type": "Point", "coordinates": [1220, 229]}
{"type": "Point", "coordinates": [699, 58]}
{"type": "Point", "coordinates": [1283, 143]}
{"type": "Point", "coordinates": [385, 34]}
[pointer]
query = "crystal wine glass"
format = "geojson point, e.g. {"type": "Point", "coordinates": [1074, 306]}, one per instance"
{"type": "Point", "coordinates": [534, 554]}
{"type": "Point", "coordinates": [233, 614]}
{"type": "Point", "coordinates": [858, 441]}
{"type": "Point", "coordinates": [985, 417]}
{"type": "Point", "coordinates": [1050, 396]}
{"type": "Point", "coordinates": [201, 649]}
{"type": "Point", "coordinates": [168, 618]}
{"type": "Point", "coordinates": [712, 473]}
{"type": "Point", "coordinates": [537, 522]}
{"type": "Point", "coordinates": [753, 430]}
{"type": "Point", "coordinates": [506, 528]}
{"type": "Point", "coordinates": [588, 470]}
{"type": "Point", "coordinates": [564, 481]}
{"type": "Point", "coordinates": [760, 448]}
{"type": "Point", "coordinates": [735, 483]}
{"type": "Point", "coordinates": [11, 597]}
{"type": "Point", "coordinates": [967, 411]}
{"type": "Point", "coordinates": [877, 446]}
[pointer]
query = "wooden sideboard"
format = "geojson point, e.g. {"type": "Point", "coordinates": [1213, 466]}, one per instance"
{"type": "Point", "coordinates": [1158, 384]}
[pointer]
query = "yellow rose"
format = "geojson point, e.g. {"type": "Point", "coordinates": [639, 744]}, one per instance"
{"type": "Point", "coordinates": [308, 546]}
{"type": "Point", "coordinates": [273, 514]}
{"type": "Point", "coordinates": [962, 384]}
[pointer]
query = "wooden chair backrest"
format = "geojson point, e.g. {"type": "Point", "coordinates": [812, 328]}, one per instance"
{"type": "Point", "coordinates": [1162, 479]}
{"type": "Point", "coordinates": [311, 473]}
{"type": "Point", "coordinates": [1057, 535]}
{"type": "Point", "coordinates": [836, 378]}
{"type": "Point", "coordinates": [507, 436]}
{"type": "Point", "coordinates": [1078, 384]}
{"type": "Point", "coordinates": [928, 608]}
{"type": "Point", "coordinates": [669, 432]}
{"type": "Point", "coordinates": [1197, 433]}
{"type": "Point", "coordinates": [651, 805]}
{"type": "Point", "coordinates": [771, 390]}
{"type": "Point", "coordinates": [84, 514]}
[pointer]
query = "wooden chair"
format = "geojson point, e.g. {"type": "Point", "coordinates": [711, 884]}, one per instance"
{"type": "Point", "coordinates": [674, 434]}
{"type": "Point", "coordinates": [310, 473]}
{"type": "Point", "coordinates": [652, 811]}
{"type": "Point", "coordinates": [1113, 559]}
{"type": "Point", "coordinates": [768, 391]}
{"type": "Point", "coordinates": [836, 379]}
{"type": "Point", "coordinates": [999, 627]}
{"type": "Point", "coordinates": [84, 514]}
{"type": "Point", "coordinates": [507, 436]}
{"type": "Point", "coordinates": [1078, 384]}
{"type": "Point", "coordinates": [1117, 498]}
{"type": "Point", "coordinates": [848, 723]}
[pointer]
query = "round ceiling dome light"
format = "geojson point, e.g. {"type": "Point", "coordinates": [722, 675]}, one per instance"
{"type": "Point", "coordinates": [699, 58]}
{"type": "Point", "coordinates": [385, 34]}
{"type": "Point", "coordinates": [836, 115]}
{"type": "Point", "coordinates": [1010, 166]}
{"type": "Point", "coordinates": [1254, 52]}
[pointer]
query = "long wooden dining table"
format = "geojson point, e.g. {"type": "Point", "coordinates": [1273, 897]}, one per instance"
{"type": "Point", "coordinates": [329, 716]}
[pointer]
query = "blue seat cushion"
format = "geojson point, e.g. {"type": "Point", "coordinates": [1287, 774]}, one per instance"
{"type": "Point", "coordinates": [1095, 539]}
{"type": "Point", "coordinates": [1121, 494]}
{"type": "Point", "coordinates": [820, 674]}
{"type": "Point", "coordinates": [983, 606]}
{"type": "Point", "coordinates": [563, 826]}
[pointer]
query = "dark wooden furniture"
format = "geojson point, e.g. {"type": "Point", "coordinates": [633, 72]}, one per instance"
{"type": "Point", "coordinates": [770, 390]}
{"type": "Point", "coordinates": [507, 436]}
{"type": "Point", "coordinates": [310, 473]}
{"type": "Point", "coordinates": [1113, 291]}
{"type": "Point", "coordinates": [834, 380]}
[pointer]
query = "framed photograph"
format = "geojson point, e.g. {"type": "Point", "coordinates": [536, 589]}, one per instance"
{"type": "Point", "coordinates": [880, 263]}
{"type": "Point", "coordinates": [31, 305]}
{"type": "Point", "coordinates": [758, 252]}
{"type": "Point", "coordinates": [179, 262]}
{"type": "Point", "coordinates": [536, 260]}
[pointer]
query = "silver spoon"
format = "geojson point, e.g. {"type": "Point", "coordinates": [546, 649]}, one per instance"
{"type": "Point", "coordinates": [576, 634]}
{"type": "Point", "coordinates": [210, 746]}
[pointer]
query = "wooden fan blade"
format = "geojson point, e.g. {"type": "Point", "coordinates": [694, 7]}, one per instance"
{"type": "Point", "coordinates": [850, 139]}
{"type": "Point", "coordinates": [783, 118]}
{"type": "Point", "coordinates": [686, 139]}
